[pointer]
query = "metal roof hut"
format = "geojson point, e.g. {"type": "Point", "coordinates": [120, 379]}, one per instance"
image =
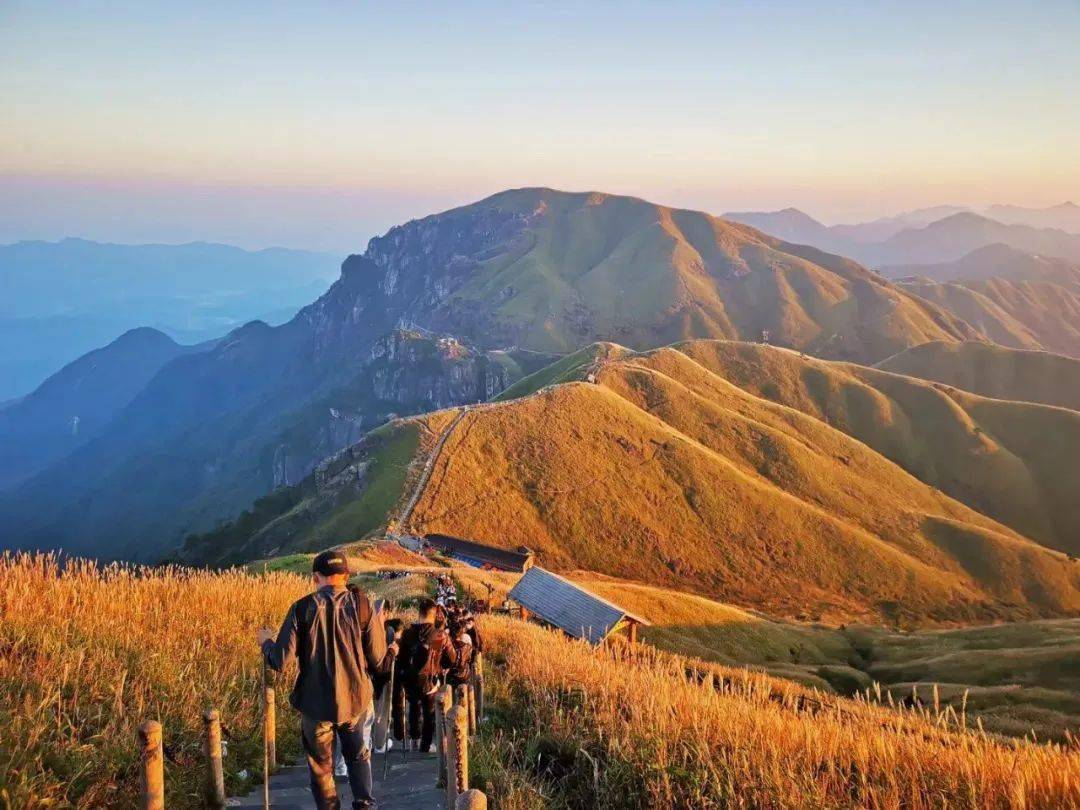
{"type": "Point", "coordinates": [479, 555]}
{"type": "Point", "coordinates": [571, 608]}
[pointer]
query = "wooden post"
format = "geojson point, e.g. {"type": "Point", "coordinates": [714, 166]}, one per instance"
{"type": "Point", "coordinates": [470, 697]}
{"type": "Point", "coordinates": [443, 703]}
{"type": "Point", "coordinates": [152, 767]}
{"type": "Point", "coordinates": [270, 728]}
{"type": "Point", "coordinates": [478, 686]}
{"type": "Point", "coordinates": [215, 775]}
{"type": "Point", "coordinates": [461, 695]}
{"type": "Point", "coordinates": [472, 799]}
{"type": "Point", "coordinates": [457, 759]}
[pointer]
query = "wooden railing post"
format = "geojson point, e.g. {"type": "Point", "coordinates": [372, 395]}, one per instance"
{"type": "Point", "coordinates": [151, 767]}
{"type": "Point", "coordinates": [270, 726]}
{"type": "Point", "coordinates": [472, 799]}
{"type": "Point", "coordinates": [443, 704]}
{"type": "Point", "coordinates": [478, 686]}
{"type": "Point", "coordinates": [470, 697]}
{"type": "Point", "coordinates": [215, 774]}
{"type": "Point", "coordinates": [457, 760]}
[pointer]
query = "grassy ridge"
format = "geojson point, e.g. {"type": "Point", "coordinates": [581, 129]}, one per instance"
{"type": "Point", "coordinates": [87, 654]}
{"type": "Point", "coordinates": [669, 474]}
{"type": "Point", "coordinates": [993, 371]}
{"type": "Point", "coordinates": [1018, 679]}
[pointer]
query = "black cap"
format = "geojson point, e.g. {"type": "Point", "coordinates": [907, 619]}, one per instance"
{"type": "Point", "coordinates": [329, 563]}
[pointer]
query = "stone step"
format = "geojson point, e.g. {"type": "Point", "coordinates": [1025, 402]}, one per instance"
{"type": "Point", "coordinates": [409, 785]}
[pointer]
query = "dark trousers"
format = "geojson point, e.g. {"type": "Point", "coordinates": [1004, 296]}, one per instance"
{"type": "Point", "coordinates": [422, 708]}
{"type": "Point", "coordinates": [318, 738]}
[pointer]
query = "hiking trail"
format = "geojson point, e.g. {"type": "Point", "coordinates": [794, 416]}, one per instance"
{"type": "Point", "coordinates": [409, 785]}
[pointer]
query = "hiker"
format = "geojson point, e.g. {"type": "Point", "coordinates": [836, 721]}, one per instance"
{"type": "Point", "coordinates": [461, 671]}
{"type": "Point", "coordinates": [474, 632]}
{"type": "Point", "coordinates": [426, 653]}
{"type": "Point", "coordinates": [339, 641]}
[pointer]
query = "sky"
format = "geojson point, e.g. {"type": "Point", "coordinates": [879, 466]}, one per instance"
{"type": "Point", "coordinates": [320, 125]}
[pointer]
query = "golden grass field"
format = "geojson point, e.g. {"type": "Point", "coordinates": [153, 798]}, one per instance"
{"type": "Point", "coordinates": [669, 472]}
{"type": "Point", "coordinates": [993, 371]}
{"type": "Point", "coordinates": [578, 727]}
{"type": "Point", "coordinates": [87, 654]}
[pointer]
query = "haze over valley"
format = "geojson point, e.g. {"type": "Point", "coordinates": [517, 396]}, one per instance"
{"type": "Point", "coordinates": [699, 386]}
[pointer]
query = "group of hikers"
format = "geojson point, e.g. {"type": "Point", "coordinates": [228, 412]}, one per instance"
{"type": "Point", "coordinates": [349, 653]}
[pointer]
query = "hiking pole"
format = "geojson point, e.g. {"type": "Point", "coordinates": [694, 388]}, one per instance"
{"type": "Point", "coordinates": [389, 722]}
{"type": "Point", "coordinates": [262, 688]}
{"type": "Point", "coordinates": [266, 742]}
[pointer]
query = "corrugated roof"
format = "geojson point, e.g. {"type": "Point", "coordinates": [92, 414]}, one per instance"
{"type": "Point", "coordinates": [498, 557]}
{"type": "Point", "coordinates": [569, 607]}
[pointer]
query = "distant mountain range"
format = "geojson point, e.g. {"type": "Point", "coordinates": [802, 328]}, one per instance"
{"type": "Point", "coordinates": [448, 309]}
{"type": "Point", "coordinates": [932, 235]}
{"type": "Point", "coordinates": [77, 403]}
{"type": "Point", "coordinates": [1013, 298]}
{"type": "Point", "coordinates": [58, 300]}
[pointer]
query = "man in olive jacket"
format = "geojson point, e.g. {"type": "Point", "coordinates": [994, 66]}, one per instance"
{"type": "Point", "coordinates": [339, 642]}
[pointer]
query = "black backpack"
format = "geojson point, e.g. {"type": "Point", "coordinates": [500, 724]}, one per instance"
{"type": "Point", "coordinates": [425, 661]}
{"type": "Point", "coordinates": [306, 616]}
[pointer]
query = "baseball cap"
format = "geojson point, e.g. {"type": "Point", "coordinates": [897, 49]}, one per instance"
{"type": "Point", "coordinates": [329, 563]}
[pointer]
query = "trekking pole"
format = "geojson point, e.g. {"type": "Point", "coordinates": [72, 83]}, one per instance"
{"type": "Point", "coordinates": [262, 686]}
{"type": "Point", "coordinates": [389, 723]}
{"type": "Point", "coordinates": [266, 742]}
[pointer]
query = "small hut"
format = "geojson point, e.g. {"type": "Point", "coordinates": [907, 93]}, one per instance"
{"type": "Point", "coordinates": [479, 555]}
{"type": "Point", "coordinates": [574, 610]}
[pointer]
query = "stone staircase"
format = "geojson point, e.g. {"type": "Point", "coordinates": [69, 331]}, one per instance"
{"type": "Point", "coordinates": [409, 785]}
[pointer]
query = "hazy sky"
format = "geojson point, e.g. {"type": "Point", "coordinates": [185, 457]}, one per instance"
{"type": "Point", "coordinates": [318, 125]}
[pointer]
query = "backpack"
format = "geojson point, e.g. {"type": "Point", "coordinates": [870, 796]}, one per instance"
{"type": "Point", "coordinates": [306, 617]}
{"type": "Point", "coordinates": [425, 661]}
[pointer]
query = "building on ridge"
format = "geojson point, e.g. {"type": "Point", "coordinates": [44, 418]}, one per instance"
{"type": "Point", "coordinates": [579, 613]}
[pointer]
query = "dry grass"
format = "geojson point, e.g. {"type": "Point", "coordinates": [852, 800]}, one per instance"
{"type": "Point", "coordinates": [994, 371]}
{"type": "Point", "coordinates": [991, 454]}
{"type": "Point", "coordinates": [600, 728]}
{"type": "Point", "coordinates": [88, 653]}
{"type": "Point", "coordinates": [667, 473]}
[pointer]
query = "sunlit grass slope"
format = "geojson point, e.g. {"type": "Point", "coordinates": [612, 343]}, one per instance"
{"type": "Point", "coordinates": [87, 654]}
{"type": "Point", "coordinates": [594, 728]}
{"type": "Point", "coordinates": [667, 473]}
{"type": "Point", "coordinates": [1013, 461]}
{"type": "Point", "coordinates": [587, 266]}
{"type": "Point", "coordinates": [994, 371]}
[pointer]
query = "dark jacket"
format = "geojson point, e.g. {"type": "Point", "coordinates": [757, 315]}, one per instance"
{"type": "Point", "coordinates": [461, 671]}
{"type": "Point", "coordinates": [339, 642]}
{"type": "Point", "coordinates": [477, 641]}
{"type": "Point", "coordinates": [435, 639]}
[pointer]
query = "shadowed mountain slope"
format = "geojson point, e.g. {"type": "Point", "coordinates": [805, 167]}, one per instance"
{"type": "Point", "coordinates": [949, 239]}
{"type": "Point", "coordinates": [994, 262]}
{"type": "Point", "coordinates": [993, 371]}
{"type": "Point", "coordinates": [666, 472]}
{"type": "Point", "coordinates": [1017, 314]}
{"type": "Point", "coordinates": [553, 270]}
{"type": "Point", "coordinates": [511, 277]}
{"type": "Point", "coordinates": [76, 403]}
